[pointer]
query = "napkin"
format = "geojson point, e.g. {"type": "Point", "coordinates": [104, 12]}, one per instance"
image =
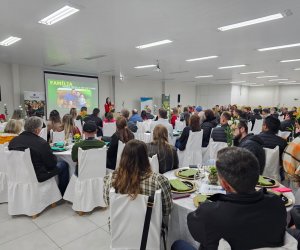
{"type": "Point", "coordinates": [188, 172]}
{"type": "Point", "coordinates": [264, 182]}
{"type": "Point", "coordinates": [282, 189]}
{"type": "Point", "coordinates": [179, 185]}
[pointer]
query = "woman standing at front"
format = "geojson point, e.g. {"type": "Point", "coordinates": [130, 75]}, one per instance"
{"type": "Point", "coordinates": [134, 176]}
{"type": "Point", "coordinates": [107, 106]}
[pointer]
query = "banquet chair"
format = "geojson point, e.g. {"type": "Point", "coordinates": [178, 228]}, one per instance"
{"type": "Point", "coordinates": [86, 190]}
{"type": "Point", "coordinates": [154, 163]}
{"type": "Point", "coordinates": [109, 128]}
{"type": "Point", "coordinates": [180, 125]}
{"type": "Point", "coordinates": [57, 136]}
{"type": "Point", "coordinates": [257, 128]}
{"type": "Point", "coordinates": [4, 147]}
{"type": "Point", "coordinates": [127, 218]}
{"type": "Point", "coordinates": [43, 133]}
{"type": "Point", "coordinates": [3, 175]}
{"type": "Point", "coordinates": [272, 166]}
{"type": "Point", "coordinates": [78, 124]}
{"type": "Point", "coordinates": [2, 126]}
{"type": "Point", "coordinates": [192, 155]}
{"type": "Point", "coordinates": [121, 146]}
{"type": "Point", "coordinates": [290, 243]}
{"type": "Point", "coordinates": [214, 147]}
{"type": "Point", "coordinates": [284, 134]}
{"type": "Point", "coordinates": [25, 194]}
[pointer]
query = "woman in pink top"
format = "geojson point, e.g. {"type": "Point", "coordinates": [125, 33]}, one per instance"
{"type": "Point", "coordinates": [109, 118]}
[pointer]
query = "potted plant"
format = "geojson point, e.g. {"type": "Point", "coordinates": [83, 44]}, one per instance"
{"type": "Point", "coordinates": [213, 175]}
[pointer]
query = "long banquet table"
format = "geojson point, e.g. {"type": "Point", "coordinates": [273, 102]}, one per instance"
{"type": "Point", "coordinates": [178, 229]}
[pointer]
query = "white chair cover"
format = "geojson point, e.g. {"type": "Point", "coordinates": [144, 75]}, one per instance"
{"type": "Point", "coordinates": [154, 163]}
{"type": "Point", "coordinates": [86, 190]}
{"type": "Point", "coordinates": [57, 136]}
{"type": "Point", "coordinates": [3, 175]}
{"type": "Point", "coordinates": [109, 128]}
{"type": "Point", "coordinates": [284, 134]}
{"type": "Point", "coordinates": [144, 137]}
{"type": "Point", "coordinates": [25, 194]}
{"type": "Point", "coordinates": [205, 155]}
{"type": "Point", "coordinates": [2, 126]}
{"type": "Point", "coordinates": [78, 125]}
{"type": "Point", "coordinates": [290, 243]}
{"type": "Point", "coordinates": [43, 133]}
{"type": "Point", "coordinates": [180, 125]}
{"type": "Point", "coordinates": [214, 147]}
{"type": "Point", "coordinates": [4, 147]}
{"type": "Point", "coordinates": [257, 127]}
{"type": "Point", "coordinates": [272, 167]}
{"type": "Point", "coordinates": [192, 155]}
{"type": "Point", "coordinates": [127, 218]}
{"type": "Point", "coordinates": [249, 126]}
{"type": "Point", "coordinates": [121, 146]}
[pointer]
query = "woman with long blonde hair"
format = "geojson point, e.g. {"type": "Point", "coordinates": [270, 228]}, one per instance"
{"type": "Point", "coordinates": [166, 153]}
{"type": "Point", "coordinates": [68, 126]}
{"type": "Point", "coordinates": [134, 176]}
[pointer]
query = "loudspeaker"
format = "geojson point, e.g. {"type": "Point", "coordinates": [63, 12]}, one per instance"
{"type": "Point", "coordinates": [178, 98]}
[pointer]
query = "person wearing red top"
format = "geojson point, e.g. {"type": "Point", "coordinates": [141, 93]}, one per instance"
{"type": "Point", "coordinates": [109, 118]}
{"type": "Point", "coordinates": [174, 117]}
{"type": "Point", "coordinates": [107, 106]}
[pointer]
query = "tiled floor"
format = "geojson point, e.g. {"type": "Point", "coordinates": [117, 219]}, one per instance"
{"type": "Point", "coordinates": [55, 228]}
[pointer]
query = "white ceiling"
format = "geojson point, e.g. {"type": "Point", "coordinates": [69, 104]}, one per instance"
{"type": "Point", "coordinates": [115, 27]}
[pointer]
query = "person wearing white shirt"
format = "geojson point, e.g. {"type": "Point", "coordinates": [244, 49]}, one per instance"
{"type": "Point", "coordinates": [163, 120]}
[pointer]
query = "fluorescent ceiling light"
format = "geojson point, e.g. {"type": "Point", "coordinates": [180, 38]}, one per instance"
{"type": "Point", "coordinates": [280, 47]}
{"type": "Point", "coordinates": [234, 66]}
{"type": "Point", "coordinates": [288, 82]}
{"type": "Point", "coordinates": [238, 82]}
{"type": "Point", "coordinates": [297, 69]}
{"type": "Point", "coordinates": [145, 66]}
{"type": "Point", "coordinates": [9, 41]}
{"type": "Point", "coordinates": [207, 76]}
{"type": "Point", "coordinates": [201, 58]}
{"type": "Point", "coordinates": [251, 22]}
{"type": "Point", "coordinates": [291, 60]}
{"type": "Point", "coordinates": [292, 83]}
{"type": "Point", "coordinates": [59, 15]}
{"type": "Point", "coordinates": [256, 85]}
{"type": "Point", "coordinates": [278, 80]}
{"type": "Point", "coordinates": [261, 77]}
{"type": "Point", "coordinates": [153, 44]}
{"type": "Point", "coordinates": [254, 72]}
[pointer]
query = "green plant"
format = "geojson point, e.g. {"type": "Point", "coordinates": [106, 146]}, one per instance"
{"type": "Point", "coordinates": [213, 170]}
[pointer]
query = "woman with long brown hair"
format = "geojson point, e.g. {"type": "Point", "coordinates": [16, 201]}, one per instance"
{"type": "Point", "coordinates": [194, 127]}
{"type": "Point", "coordinates": [134, 176]}
{"type": "Point", "coordinates": [68, 126]}
{"type": "Point", "coordinates": [166, 153]}
{"type": "Point", "coordinates": [73, 113]}
{"type": "Point", "coordinates": [124, 135]}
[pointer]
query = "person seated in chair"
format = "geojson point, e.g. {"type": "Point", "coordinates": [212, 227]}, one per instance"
{"type": "Point", "coordinates": [95, 117]}
{"type": "Point", "coordinates": [43, 160]}
{"type": "Point", "coordinates": [288, 123]}
{"type": "Point", "coordinates": [89, 131]}
{"type": "Point", "coordinates": [218, 134]}
{"type": "Point", "coordinates": [243, 216]}
{"type": "Point", "coordinates": [163, 120]}
{"type": "Point", "coordinates": [135, 117]}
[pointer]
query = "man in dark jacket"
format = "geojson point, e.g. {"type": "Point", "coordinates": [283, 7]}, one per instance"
{"type": "Point", "coordinates": [218, 134]}
{"type": "Point", "coordinates": [255, 116]}
{"type": "Point", "coordinates": [251, 142]}
{"type": "Point", "coordinates": [98, 121]}
{"type": "Point", "coordinates": [289, 122]}
{"type": "Point", "coordinates": [268, 135]}
{"type": "Point", "coordinates": [243, 216]}
{"type": "Point", "coordinates": [44, 162]}
{"type": "Point", "coordinates": [207, 126]}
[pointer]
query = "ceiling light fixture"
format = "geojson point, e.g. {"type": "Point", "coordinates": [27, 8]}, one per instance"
{"type": "Point", "coordinates": [254, 72]}
{"type": "Point", "coordinates": [292, 83]}
{"type": "Point", "coordinates": [262, 77]}
{"type": "Point", "coordinates": [201, 58]}
{"type": "Point", "coordinates": [234, 66]}
{"type": "Point", "coordinates": [252, 22]}
{"type": "Point", "coordinates": [153, 44]}
{"type": "Point", "coordinates": [9, 41]}
{"type": "Point", "coordinates": [278, 80]}
{"type": "Point", "coordinates": [280, 47]}
{"type": "Point", "coordinates": [238, 82]}
{"type": "Point", "coordinates": [256, 85]}
{"type": "Point", "coordinates": [291, 60]}
{"type": "Point", "coordinates": [207, 76]}
{"type": "Point", "coordinates": [297, 69]}
{"type": "Point", "coordinates": [288, 82]}
{"type": "Point", "coordinates": [59, 15]}
{"type": "Point", "coordinates": [145, 66]}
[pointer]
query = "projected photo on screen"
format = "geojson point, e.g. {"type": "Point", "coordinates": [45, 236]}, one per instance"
{"type": "Point", "coordinates": [68, 91]}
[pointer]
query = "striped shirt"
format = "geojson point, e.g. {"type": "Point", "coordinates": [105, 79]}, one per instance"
{"type": "Point", "coordinates": [148, 187]}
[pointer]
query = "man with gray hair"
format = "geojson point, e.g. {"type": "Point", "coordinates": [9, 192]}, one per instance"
{"type": "Point", "coordinates": [131, 125]}
{"type": "Point", "coordinates": [43, 160]}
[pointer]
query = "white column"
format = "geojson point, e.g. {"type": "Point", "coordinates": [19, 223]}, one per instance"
{"type": "Point", "coordinates": [16, 85]}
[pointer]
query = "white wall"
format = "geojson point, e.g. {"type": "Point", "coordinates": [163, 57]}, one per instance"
{"type": "Point", "coordinates": [265, 96]}
{"type": "Point", "coordinates": [6, 87]}
{"type": "Point", "coordinates": [239, 95]}
{"type": "Point", "coordinates": [187, 93]}
{"type": "Point", "coordinates": [288, 94]}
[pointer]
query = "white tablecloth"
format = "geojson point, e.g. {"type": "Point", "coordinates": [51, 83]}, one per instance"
{"type": "Point", "coordinates": [178, 229]}
{"type": "Point", "coordinates": [66, 156]}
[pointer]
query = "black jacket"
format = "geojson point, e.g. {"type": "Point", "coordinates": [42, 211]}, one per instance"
{"type": "Point", "coordinates": [98, 121]}
{"type": "Point", "coordinates": [207, 126]}
{"type": "Point", "coordinates": [43, 160]}
{"type": "Point", "coordinates": [255, 145]}
{"type": "Point", "coordinates": [218, 134]}
{"type": "Point", "coordinates": [287, 125]}
{"type": "Point", "coordinates": [271, 141]}
{"type": "Point", "coordinates": [182, 140]}
{"type": "Point", "coordinates": [245, 221]}
{"type": "Point", "coordinates": [254, 117]}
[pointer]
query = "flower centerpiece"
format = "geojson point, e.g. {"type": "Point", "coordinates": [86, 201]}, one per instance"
{"type": "Point", "coordinates": [77, 138]}
{"type": "Point", "coordinates": [232, 124]}
{"type": "Point", "coordinates": [213, 175]}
